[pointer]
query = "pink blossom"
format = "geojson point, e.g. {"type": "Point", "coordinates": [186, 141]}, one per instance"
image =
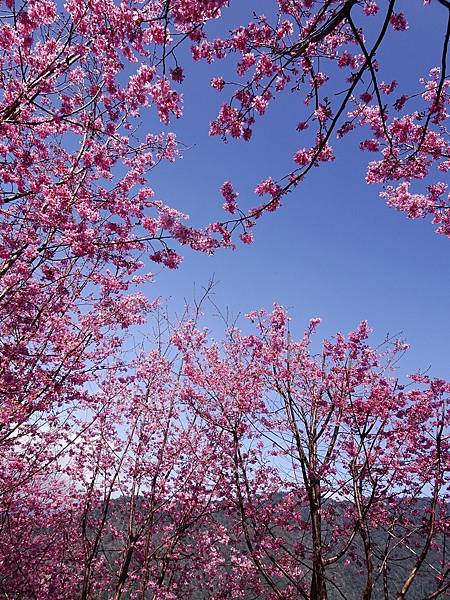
{"type": "Point", "coordinates": [302, 157]}
{"type": "Point", "coordinates": [246, 237]}
{"type": "Point", "coordinates": [230, 197]}
{"type": "Point", "coordinates": [167, 257]}
{"type": "Point", "coordinates": [268, 186]}
{"type": "Point", "coordinates": [399, 22]}
{"type": "Point", "coordinates": [366, 97]}
{"type": "Point", "coordinates": [370, 8]}
{"type": "Point", "coordinates": [167, 101]}
{"type": "Point", "coordinates": [218, 83]}
{"type": "Point", "coordinates": [388, 88]}
{"type": "Point", "coordinates": [302, 125]}
{"type": "Point", "coordinates": [370, 145]}
{"type": "Point", "coordinates": [247, 61]}
{"type": "Point", "coordinates": [177, 74]}
{"type": "Point", "coordinates": [260, 104]}
{"type": "Point", "coordinates": [323, 113]}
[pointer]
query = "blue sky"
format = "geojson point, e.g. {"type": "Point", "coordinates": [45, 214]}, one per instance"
{"type": "Point", "coordinates": [334, 250]}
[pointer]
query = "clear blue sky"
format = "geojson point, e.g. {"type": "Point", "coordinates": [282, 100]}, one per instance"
{"type": "Point", "coordinates": [334, 250]}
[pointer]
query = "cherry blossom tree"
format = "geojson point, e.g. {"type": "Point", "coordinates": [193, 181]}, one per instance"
{"type": "Point", "coordinates": [330, 463]}
{"type": "Point", "coordinates": [121, 511]}
{"type": "Point", "coordinates": [78, 225]}
{"type": "Point", "coordinates": [78, 216]}
{"type": "Point", "coordinates": [194, 470]}
{"type": "Point", "coordinates": [328, 53]}
{"type": "Point", "coordinates": [79, 221]}
{"type": "Point", "coordinates": [260, 467]}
